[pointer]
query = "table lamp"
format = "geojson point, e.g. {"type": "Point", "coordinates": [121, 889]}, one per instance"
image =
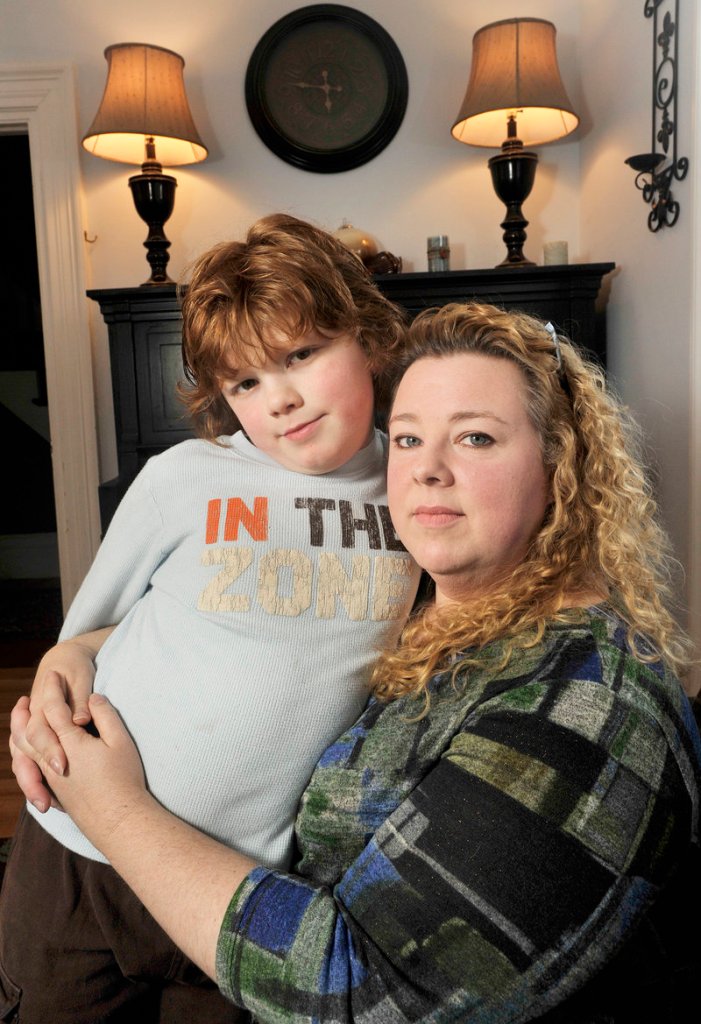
{"type": "Point", "coordinates": [515, 90]}
{"type": "Point", "coordinates": [144, 118]}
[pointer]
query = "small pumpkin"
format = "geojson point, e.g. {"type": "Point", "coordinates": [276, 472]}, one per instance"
{"type": "Point", "coordinates": [363, 245]}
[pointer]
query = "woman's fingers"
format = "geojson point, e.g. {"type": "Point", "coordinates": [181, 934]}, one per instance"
{"type": "Point", "coordinates": [104, 784]}
{"type": "Point", "coordinates": [26, 771]}
{"type": "Point", "coordinates": [105, 719]}
{"type": "Point", "coordinates": [40, 735]}
{"type": "Point", "coordinates": [111, 758]}
{"type": "Point", "coordinates": [31, 782]}
{"type": "Point", "coordinates": [59, 718]}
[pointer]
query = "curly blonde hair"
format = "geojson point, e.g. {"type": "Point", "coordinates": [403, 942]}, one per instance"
{"type": "Point", "coordinates": [600, 532]}
{"type": "Point", "coordinates": [288, 277]}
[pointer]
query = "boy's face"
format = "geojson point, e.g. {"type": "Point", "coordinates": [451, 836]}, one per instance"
{"type": "Point", "coordinates": [309, 405]}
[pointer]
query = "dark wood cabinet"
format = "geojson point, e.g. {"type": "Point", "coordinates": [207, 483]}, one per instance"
{"type": "Point", "coordinates": [566, 295]}
{"type": "Point", "coordinates": [145, 327]}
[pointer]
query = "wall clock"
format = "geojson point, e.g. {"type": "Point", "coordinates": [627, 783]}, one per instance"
{"type": "Point", "coordinates": [326, 88]}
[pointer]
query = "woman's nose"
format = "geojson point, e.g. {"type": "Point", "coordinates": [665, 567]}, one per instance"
{"type": "Point", "coordinates": [432, 469]}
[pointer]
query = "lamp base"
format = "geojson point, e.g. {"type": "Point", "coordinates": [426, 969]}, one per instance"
{"type": "Point", "coordinates": [154, 198]}
{"type": "Point", "coordinates": [513, 174]}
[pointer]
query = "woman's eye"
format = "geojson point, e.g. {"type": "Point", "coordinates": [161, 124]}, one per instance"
{"type": "Point", "coordinates": [476, 439]}
{"type": "Point", "coordinates": [406, 441]}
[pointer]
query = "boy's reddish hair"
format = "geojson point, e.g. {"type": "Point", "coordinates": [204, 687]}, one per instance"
{"type": "Point", "coordinates": [287, 277]}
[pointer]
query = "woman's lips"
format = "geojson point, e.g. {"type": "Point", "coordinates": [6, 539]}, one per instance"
{"type": "Point", "coordinates": [436, 515]}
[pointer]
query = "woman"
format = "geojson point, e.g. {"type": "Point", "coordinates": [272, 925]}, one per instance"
{"type": "Point", "coordinates": [512, 823]}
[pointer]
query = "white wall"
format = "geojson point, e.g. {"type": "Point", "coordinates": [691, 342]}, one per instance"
{"type": "Point", "coordinates": [649, 311]}
{"type": "Point", "coordinates": [424, 183]}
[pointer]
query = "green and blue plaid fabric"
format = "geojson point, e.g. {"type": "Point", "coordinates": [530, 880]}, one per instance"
{"type": "Point", "coordinates": [484, 862]}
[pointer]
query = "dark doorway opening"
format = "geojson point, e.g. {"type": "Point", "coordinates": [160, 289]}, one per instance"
{"type": "Point", "coordinates": [29, 584]}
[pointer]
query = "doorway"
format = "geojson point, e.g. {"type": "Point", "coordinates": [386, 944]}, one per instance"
{"type": "Point", "coordinates": [30, 598]}
{"type": "Point", "coordinates": [39, 100]}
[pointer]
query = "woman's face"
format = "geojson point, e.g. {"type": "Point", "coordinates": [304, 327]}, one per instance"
{"type": "Point", "coordinates": [466, 483]}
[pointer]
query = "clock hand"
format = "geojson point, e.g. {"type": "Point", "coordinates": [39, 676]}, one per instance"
{"type": "Point", "coordinates": [325, 88]}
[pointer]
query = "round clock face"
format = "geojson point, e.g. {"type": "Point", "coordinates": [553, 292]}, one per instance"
{"type": "Point", "coordinates": [326, 88]}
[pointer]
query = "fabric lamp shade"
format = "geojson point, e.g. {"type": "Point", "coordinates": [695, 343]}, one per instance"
{"type": "Point", "coordinates": [144, 98]}
{"type": "Point", "coordinates": [514, 72]}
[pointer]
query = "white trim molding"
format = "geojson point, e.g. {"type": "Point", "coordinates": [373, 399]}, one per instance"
{"type": "Point", "coordinates": [40, 99]}
{"type": "Point", "coordinates": [695, 384]}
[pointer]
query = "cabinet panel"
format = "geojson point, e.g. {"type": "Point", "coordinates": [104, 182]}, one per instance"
{"type": "Point", "coordinates": [159, 368]}
{"type": "Point", "coordinates": [568, 295]}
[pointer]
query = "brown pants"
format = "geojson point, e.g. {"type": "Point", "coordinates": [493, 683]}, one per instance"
{"type": "Point", "coordinates": [77, 947]}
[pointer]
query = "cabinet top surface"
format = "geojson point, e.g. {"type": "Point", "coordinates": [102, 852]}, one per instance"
{"type": "Point", "coordinates": [514, 274]}
{"type": "Point", "coordinates": [511, 275]}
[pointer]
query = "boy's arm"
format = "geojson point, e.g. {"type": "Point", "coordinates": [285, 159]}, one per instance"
{"type": "Point", "coordinates": [65, 673]}
{"type": "Point", "coordinates": [131, 550]}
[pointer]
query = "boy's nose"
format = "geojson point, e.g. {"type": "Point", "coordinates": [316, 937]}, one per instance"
{"type": "Point", "coordinates": [282, 398]}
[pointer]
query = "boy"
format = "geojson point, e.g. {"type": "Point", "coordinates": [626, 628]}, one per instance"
{"type": "Point", "coordinates": [253, 577]}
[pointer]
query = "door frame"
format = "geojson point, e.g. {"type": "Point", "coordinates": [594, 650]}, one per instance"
{"type": "Point", "coordinates": [694, 576]}
{"type": "Point", "coordinates": [40, 99]}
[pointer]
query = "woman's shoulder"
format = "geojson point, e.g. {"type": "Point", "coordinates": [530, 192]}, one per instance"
{"type": "Point", "coordinates": [597, 647]}
{"type": "Point", "coordinates": [591, 644]}
{"type": "Point", "coordinates": [584, 678]}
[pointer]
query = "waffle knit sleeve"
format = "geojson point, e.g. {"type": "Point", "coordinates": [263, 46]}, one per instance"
{"type": "Point", "coordinates": [132, 548]}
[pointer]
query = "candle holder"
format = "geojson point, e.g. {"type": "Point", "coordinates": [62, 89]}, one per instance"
{"type": "Point", "coordinates": [652, 178]}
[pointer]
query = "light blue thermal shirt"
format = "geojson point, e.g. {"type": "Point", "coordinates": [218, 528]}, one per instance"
{"type": "Point", "coordinates": [251, 602]}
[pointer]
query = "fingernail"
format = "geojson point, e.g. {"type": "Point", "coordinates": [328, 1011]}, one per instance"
{"type": "Point", "coordinates": [40, 806]}
{"type": "Point", "coordinates": [57, 766]}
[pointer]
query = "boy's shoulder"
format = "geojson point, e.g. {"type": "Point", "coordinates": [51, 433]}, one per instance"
{"type": "Point", "coordinates": [366, 464]}
{"type": "Point", "coordinates": [194, 447]}
{"type": "Point", "coordinates": [182, 459]}
{"type": "Point", "coordinates": [184, 451]}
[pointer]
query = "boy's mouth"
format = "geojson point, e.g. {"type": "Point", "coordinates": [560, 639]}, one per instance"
{"type": "Point", "coordinates": [302, 431]}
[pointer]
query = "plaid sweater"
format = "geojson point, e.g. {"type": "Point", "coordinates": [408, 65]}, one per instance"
{"type": "Point", "coordinates": [484, 862]}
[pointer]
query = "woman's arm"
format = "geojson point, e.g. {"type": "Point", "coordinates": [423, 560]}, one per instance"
{"type": "Point", "coordinates": [516, 869]}
{"type": "Point", "coordinates": [184, 878]}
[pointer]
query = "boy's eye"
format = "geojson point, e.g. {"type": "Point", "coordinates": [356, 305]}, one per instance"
{"type": "Point", "coordinates": [300, 355]}
{"type": "Point", "coordinates": [476, 439]}
{"type": "Point", "coordinates": [244, 385]}
{"type": "Point", "coordinates": [406, 441]}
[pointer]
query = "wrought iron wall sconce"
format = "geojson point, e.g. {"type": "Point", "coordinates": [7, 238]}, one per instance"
{"type": "Point", "coordinates": [652, 178]}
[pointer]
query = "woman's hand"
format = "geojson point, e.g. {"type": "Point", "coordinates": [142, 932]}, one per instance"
{"type": "Point", "coordinates": [104, 783]}
{"type": "Point", "coordinates": [65, 674]}
{"type": "Point", "coordinates": [26, 770]}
